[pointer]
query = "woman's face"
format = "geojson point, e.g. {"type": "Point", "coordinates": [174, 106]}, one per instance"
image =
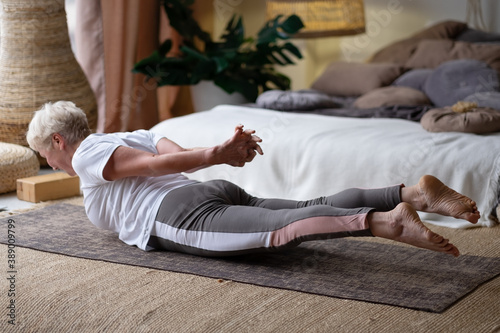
{"type": "Point", "coordinates": [58, 160]}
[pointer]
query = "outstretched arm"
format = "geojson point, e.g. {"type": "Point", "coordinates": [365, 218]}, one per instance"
{"type": "Point", "coordinates": [241, 148]}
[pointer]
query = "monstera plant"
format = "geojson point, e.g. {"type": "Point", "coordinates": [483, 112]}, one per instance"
{"type": "Point", "coordinates": [235, 63]}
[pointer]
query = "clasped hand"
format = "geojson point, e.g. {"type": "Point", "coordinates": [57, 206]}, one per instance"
{"type": "Point", "coordinates": [241, 148]}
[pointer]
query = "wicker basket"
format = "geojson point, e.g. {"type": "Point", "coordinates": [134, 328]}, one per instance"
{"type": "Point", "coordinates": [37, 65]}
{"type": "Point", "coordinates": [16, 162]}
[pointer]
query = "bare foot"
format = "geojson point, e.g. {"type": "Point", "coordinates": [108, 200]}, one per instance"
{"type": "Point", "coordinates": [432, 196]}
{"type": "Point", "coordinates": [403, 224]}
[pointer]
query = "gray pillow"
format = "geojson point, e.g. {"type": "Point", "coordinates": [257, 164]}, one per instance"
{"type": "Point", "coordinates": [413, 79]}
{"type": "Point", "coordinates": [490, 99]}
{"type": "Point", "coordinates": [355, 79]}
{"type": "Point", "coordinates": [302, 100]}
{"type": "Point", "coordinates": [478, 121]}
{"type": "Point", "coordinates": [400, 51]}
{"type": "Point", "coordinates": [454, 80]}
{"type": "Point", "coordinates": [391, 96]}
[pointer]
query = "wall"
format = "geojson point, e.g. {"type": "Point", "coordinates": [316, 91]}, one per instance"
{"type": "Point", "coordinates": [386, 21]}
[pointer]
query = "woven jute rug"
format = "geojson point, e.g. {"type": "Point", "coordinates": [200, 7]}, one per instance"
{"type": "Point", "coordinates": [343, 268]}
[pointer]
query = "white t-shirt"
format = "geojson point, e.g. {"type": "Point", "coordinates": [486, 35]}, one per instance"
{"type": "Point", "coordinates": [127, 206]}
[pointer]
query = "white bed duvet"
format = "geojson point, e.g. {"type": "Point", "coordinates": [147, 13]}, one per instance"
{"type": "Point", "coordinates": [308, 155]}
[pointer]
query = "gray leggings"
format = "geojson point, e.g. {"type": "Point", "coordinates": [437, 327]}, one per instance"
{"type": "Point", "coordinates": [218, 218]}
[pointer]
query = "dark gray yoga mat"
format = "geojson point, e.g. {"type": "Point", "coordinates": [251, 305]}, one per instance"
{"type": "Point", "coordinates": [343, 268]}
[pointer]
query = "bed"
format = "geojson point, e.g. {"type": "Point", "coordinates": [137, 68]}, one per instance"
{"type": "Point", "coordinates": [355, 130]}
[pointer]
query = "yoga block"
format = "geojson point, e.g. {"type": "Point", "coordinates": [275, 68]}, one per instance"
{"type": "Point", "coordinates": [51, 186]}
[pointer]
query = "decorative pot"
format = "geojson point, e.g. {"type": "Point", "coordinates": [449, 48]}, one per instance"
{"type": "Point", "coordinates": [37, 65]}
{"type": "Point", "coordinates": [205, 95]}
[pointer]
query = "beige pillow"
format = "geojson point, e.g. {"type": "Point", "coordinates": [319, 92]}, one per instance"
{"type": "Point", "coordinates": [478, 121]}
{"type": "Point", "coordinates": [355, 79]}
{"type": "Point", "coordinates": [432, 53]}
{"type": "Point", "coordinates": [400, 51]}
{"type": "Point", "coordinates": [390, 96]}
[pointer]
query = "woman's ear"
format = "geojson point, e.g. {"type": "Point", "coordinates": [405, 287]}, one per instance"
{"type": "Point", "coordinates": [57, 141]}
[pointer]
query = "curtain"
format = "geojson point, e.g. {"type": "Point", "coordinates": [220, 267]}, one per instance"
{"type": "Point", "coordinates": [110, 36]}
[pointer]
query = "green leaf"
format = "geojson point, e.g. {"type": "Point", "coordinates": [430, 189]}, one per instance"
{"type": "Point", "coordinates": [203, 70]}
{"type": "Point", "coordinates": [165, 47]}
{"type": "Point", "coordinates": [292, 24]}
{"type": "Point", "coordinates": [175, 77]}
{"type": "Point", "coordinates": [274, 29]}
{"type": "Point", "coordinates": [269, 33]}
{"type": "Point", "coordinates": [275, 60]}
{"type": "Point", "coordinates": [147, 65]}
{"type": "Point", "coordinates": [285, 59]}
{"type": "Point", "coordinates": [220, 63]}
{"type": "Point", "coordinates": [180, 17]}
{"type": "Point", "coordinates": [280, 81]}
{"type": "Point", "coordinates": [234, 34]}
{"type": "Point", "coordinates": [232, 83]}
{"type": "Point", "coordinates": [189, 52]}
{"type": "Point", "coordinates": [292, 49]}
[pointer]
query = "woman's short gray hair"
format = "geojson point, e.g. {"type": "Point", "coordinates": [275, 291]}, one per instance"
{"type": "Point", "coordinates": [61, 117]}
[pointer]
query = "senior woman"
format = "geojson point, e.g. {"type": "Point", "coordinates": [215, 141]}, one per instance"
{"type": "Point", "coordinates": [134, 184]}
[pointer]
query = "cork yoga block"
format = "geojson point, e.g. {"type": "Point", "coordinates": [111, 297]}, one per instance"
{"type": "Point", "coordinates": [52, 186]}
